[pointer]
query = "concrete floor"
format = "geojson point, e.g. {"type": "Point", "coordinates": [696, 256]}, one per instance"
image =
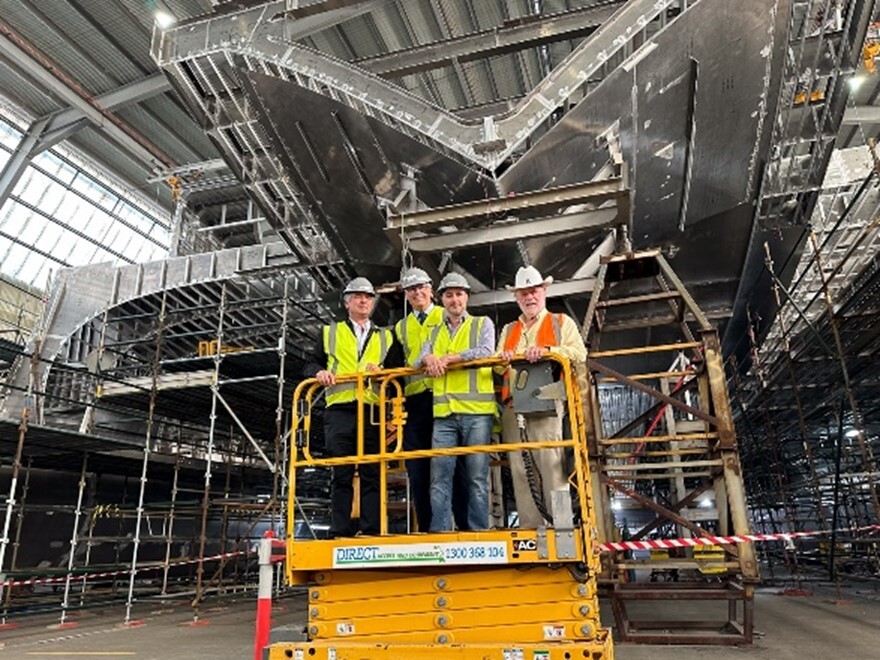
{"type": "Point", "coordinates": [827, 624]}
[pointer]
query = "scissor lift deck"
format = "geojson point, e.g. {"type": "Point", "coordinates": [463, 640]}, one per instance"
{"type": "Point", "coordinates": [494, 594]}
{"type": "Point", "coordinates": [510, 594]}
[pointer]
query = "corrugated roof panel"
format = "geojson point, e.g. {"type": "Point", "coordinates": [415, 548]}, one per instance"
{"type": "Point", "coordinates": [127, 26]}
{"type": "Point", "coordinates": [484, 16]}
{"type": "Point", "coordinates": [556, 6]}
{"type": "Point", "coordinates": [488, 14]}
{"type": "Point", "coordinates": [184, 8]}
{"type": "Point", "coordinates": [421, 86]}
{"type": "Point", "coordinates": [448, 86]}
{"type": "Point", "coordinates": [386, 24]}
{"type": "Point", "coordinates": [330, 42]}
{"type": "Point", "coordinates": [477, 82]}
{"type": "Point", "coordinates": [508, 76]}
{"type": "Point", "coordinates": [453, 17]}
{"type": "Point", "coordinates": [422, 21]}
{"type": "Point", "coordinates": [358, 38]}
{"type": "Point", "coordinates": [174, 116]}
{"type": "Point", "coordinates": [115, 39]}
{"type": "Point", "coordinates": [26, 94]}
{"type": "Point", "coordinates": [519, 8]}
{"type": "Point", "coordinates": [58, 33]}
{"type": "Point", "coordinates": [145, 122]}
{"type": "Point", "coordinates": [530, 68]}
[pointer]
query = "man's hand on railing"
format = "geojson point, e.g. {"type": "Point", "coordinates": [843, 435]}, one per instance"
{"type": "Point", "coordinates": [326, 378]}
{"type": "Point", "coordinates": [532, 354]}
{"type": "Point", "coordinates": [434, 366]}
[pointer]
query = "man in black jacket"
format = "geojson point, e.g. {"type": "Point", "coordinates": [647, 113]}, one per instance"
{"type": "Point", "coordinates": [347, 347]}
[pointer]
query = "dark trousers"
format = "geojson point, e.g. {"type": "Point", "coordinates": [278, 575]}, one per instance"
{"type": "Point", "coordinates": [340, 438]}
{"type": "Point", "coordinates": [417, 434]}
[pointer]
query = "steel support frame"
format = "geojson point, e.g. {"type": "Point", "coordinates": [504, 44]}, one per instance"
{"type": "Point", "coordinates": [530, 32]}
{"type": "Point", "coordinates": [715, 458]}
{"type": "Point", "coordinates": [212, 431]}
{"type": "Point", "coordinates": [547, 201]}
{"type": "Point", "coordinates": [16, 545]}
{"type": "Point", "coordinates": [148, 442]}
{"type": "Point", "coordinates": [119, 132]}
{"type": "Point", "coordinates": [29, 410]}
{"type": "Point", "coordinates": [506, 232]}
{"type": "Point", "coordinates": [739, 626]}
{"type": "Point", "coordinates": [74, 540]}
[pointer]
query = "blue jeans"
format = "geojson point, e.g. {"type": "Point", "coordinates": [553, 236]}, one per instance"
{"type": "Point", "coordinates": [459, 430]}
{"type": "Point", "coordinates": [417, 434]}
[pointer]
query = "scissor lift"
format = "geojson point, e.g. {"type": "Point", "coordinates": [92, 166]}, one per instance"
{"type": "Point", "coordinates": [511, 594]}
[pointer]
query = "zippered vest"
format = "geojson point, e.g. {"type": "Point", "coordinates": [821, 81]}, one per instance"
{"type": "Point", "coordinates": [549, 334]}
{"type": "Point", "coordinates": [340, 345]}
{"type": "Point", "coordinates": [464, 391]}
{"type": "Point", "coordinates": [412, 335]}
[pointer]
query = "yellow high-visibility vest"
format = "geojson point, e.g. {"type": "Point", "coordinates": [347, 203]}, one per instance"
{"type": "Point", "coordinates": [465, 391]}
{"type": "Point", "coordinates": [340, 345]}
{"type": "Point", "coordinates": [412, 335]}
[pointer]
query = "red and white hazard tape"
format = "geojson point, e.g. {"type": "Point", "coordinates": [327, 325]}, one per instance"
{"type": "Point", "coordinates": [92, 576]}
{"type": "Point", "coordinates": [719, 540]}
{"type": "Point", "coordinates": [603, 547]}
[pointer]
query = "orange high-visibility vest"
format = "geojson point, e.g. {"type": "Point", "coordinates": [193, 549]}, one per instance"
{"type": "Point", "coordinates": [549, 334]}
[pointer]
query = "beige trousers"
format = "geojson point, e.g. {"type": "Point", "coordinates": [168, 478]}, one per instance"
{"type": "Point", "coordinates": [549, 462]}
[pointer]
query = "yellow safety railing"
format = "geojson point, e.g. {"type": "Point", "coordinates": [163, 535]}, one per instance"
{"type": "Point", "coordinates": [306, 394]}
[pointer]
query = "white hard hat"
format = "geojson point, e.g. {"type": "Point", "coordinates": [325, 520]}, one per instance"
{"type": "Point", "coordinates": [414, 277]}
{"type": "Point", "coordinates": [527, 277]}
{"type": "Point", "coordinates": [359, 285]}
{"type": "Point", "coordinates": [453, 281]}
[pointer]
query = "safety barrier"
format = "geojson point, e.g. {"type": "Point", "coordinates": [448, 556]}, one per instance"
{"type": "Point", "coordinates": [268, 557]}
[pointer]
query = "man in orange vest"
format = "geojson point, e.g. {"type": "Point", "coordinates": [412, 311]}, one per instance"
{"type": "Point", "coordinates": [536, 334]}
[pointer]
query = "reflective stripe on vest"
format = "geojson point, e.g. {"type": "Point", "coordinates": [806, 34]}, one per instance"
{"type": "Point", "coordinates": [340, 344]}
{"type": "Point", "coordinates": [549, 334]}
{"type": "Point", "coordinates": [464, 391]}
{"type": "Point", "coordinates": [412, 336]}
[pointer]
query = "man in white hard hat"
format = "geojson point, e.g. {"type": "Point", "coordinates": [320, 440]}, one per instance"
{"type": "Point", "coordinates": [347, 347]}
{"type": "Point", "coordinates": [536, 334]}
{"type": "Point", "coordinates": [464, 403]}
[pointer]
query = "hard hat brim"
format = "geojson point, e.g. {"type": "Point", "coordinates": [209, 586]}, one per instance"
{"type": "Point", "coordinates": [546, 282]}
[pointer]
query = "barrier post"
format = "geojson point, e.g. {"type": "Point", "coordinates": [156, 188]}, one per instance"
{"type": "Point", "coordinates": [264, 595]}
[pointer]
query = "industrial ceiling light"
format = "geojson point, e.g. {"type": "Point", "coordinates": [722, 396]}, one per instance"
{"type": "Point", "coordinates": [852, 433]}
{"type": "Point", "coordinates": [164, 19]}
{"type": "Point", "coordinates": [855, 82]}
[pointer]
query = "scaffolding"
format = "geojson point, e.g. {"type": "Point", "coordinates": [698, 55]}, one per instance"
{"type": "Point", "coordinates": [806, 400]}
{"type": "Point", "coordinates": [193, 440]}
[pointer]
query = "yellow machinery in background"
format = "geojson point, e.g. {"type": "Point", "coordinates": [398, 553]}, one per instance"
{"type": "Point", "coordinates": [510, 594]}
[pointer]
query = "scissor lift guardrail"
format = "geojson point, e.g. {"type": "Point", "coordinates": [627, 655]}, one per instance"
{"type": "Point", "coordinates": [499, 593]}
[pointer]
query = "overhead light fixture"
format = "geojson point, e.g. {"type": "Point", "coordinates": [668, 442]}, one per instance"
{"type": "Point", "coordinates": [852, 433]}
{"type": "Point", "coordinates": [164, 19]}
{"type": "Point", "coordinates": [616, 505]}
{"type": "Point", "coordinates": [855, 82]}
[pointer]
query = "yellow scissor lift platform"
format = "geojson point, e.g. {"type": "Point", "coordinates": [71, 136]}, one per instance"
{"type": "Point", "coordinates": [510, 594]}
